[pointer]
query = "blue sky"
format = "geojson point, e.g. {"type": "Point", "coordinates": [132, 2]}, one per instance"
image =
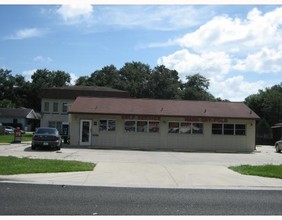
{"type": "Point", "coordinates": [237, 47]}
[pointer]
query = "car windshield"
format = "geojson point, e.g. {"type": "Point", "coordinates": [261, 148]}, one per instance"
{"type": "Point", "coordinates": [46, 131]}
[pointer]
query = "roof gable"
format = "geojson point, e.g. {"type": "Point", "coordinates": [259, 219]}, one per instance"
{"type": "Point", "coordinates": [182, 108]}
{"type": "Point", "coordinates": [15, 112]}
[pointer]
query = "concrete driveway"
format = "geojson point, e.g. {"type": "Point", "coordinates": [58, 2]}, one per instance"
{"type": "Point", "coordinates": [150, 168]}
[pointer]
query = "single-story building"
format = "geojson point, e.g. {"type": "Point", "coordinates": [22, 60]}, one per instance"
{"type": "Point", "coordinates": [152, 124]}
{"type": "Point", "coordinates": [25, 118]}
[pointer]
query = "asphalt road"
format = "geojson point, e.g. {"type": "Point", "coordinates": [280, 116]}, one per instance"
{"type": "Point", "coordinates": [28, 199]}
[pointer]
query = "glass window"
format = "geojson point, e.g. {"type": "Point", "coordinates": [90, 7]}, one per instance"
{"type": "Point", "coordinates": [216, 128]}
{"type": "Point", "coordinates": [173, 127]}
{"type": "Point", "coordinates": [197, 128]}
{"type": "Point", "coordinates": [103, 125]}
{"type": "Point", "coordinates": [107, 125]}
{"type": "Point", "coordinates": [142, 126]}
{"type": "Point", "coordinates": [46, 106]}
{"type": "Point", "coordinates": [229, 129]}
{"type": "Point", "coordinates": [185, 128]}
{"type": "Point", "coordinates": [154, 126]}
{"type": "Point", "coordinates": [240, 129]}
{"type": "Point", "coordinates": [111, 125]}
{"type": "Point", "coordinates": [55, 107]}
{"type": "Point", "coordinates": [64, 108]}
{"type": "Point", "coordinates": [129, 126]}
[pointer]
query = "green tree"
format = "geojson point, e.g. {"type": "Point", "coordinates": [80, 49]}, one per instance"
{"type": "Point", "coordinates": [196, 88]}
{"type": "Point", "coordinates": [7, 93]}
{"type": "Point", "coordinates": [83, 81]}
{"type": "Point", "coordinates": [44, 78]}
{"type": "Point", "coordinates": [134, 78]}
{"type": "Point", "coordinates": [164, 83]}
{"type": "Point", "coordinates": [267, 104]}
{"type": "Point", "coordinates": [108, 76]}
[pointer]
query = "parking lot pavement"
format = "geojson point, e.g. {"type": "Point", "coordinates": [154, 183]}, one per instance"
{"type": "Point", "coordinates": [150, 168]}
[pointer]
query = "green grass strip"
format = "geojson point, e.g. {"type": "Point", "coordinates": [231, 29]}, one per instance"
{"type": "Point", "coordinates": [274, 171]}
{"type": "Point", "coordinates": [9, 138]}
{"type": "Point", "coordinates": [13, 165]}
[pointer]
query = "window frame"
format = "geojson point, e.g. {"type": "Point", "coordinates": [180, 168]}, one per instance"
{"type": "Point", "coordinates": [235, 130]}
{"type": "Point", "coordinates": [107, 125]}
{"type": "Point", "coordinates": [64, 108]}
{"type": "Point", "coordinates": [217, 129]}
{"type": "Point", "coordinates": [55, 107]}
{"type": "Point", "coordinates": [135, 128]}
{"type": "Point", "coordinates": [46, 107]}
{"type": "Point", "coordinates": [182, 126]}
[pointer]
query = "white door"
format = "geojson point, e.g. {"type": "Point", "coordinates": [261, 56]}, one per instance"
{"type": "Point", "coordinates": [85, 132]}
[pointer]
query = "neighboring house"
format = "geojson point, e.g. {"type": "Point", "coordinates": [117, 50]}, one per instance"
{"type": "Point", "coordinates": [56, 101]}
{"type": "Point", "coordinates": [152, 124]}
{"type": "Point", "coordinates": [25, 118]}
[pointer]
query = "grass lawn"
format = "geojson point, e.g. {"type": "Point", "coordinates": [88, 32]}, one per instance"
{"type": "Point", "coordinates": [274, 171]}
{"type": "Point", "coordinates": [13, 165]}
{"type": "Point", "coordinates": [9, 138]}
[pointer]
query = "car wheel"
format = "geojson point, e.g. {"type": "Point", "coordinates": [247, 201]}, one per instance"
{"type": "Point", "coordinates": [33, 147]}
{"type": "Point", "coordinates": [277, 149]}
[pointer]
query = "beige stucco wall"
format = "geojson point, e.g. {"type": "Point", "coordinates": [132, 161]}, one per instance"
{"type": "Point", "coordinates": [54, 116]}
{"type": "Point", "coordinates": [163, 140]}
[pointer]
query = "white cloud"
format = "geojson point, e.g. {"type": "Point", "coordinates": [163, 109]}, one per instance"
{"type": "Point", "coordinates": [224, 46]}
{"type": "Point", "coordinates": [208, 64]}
{"type": "Point", "coordinates": [161, 18]}
{"type": "Point", "coordinates": [236, 35]}
{"type": "Point", "coordinates": [75, 14]}
{"type": "Point", "coordinates": [41, 59]}
{"type": "Point", "coordinates": [266, 60]}
{"type": "Point", "coordinates": [26, 33]}
{"type": "Point", "coordinates": [28, 73]}
{"type": "Point", "coordinates": [235, 88]}
{"type": "Point", "coordinates": [73, 78]}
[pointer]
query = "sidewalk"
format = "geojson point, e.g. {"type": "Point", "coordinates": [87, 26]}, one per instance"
{"type": "Point", "coordinates": [152, 169]}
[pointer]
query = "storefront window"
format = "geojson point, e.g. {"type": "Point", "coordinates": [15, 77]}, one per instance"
{"type": "Point", "coordinates": [142, 126]}
{"type": "Point", "coordinates": [154, 126]}
{"type": "Point", "coordinates": [197, 128]}
{"type": "Point", "coordinates": [103, 125]}
{"type": "Point", "coordinates": [107, 125]}
{"type": "Point", "coordinates": [228, 129]}
{"type": "Point", "coordinates": [111, 125]}
{"type": "Point", "coordinates": [173, 127]}
{"type": "Point", "coordinates": [185, 128]}
{"type": "Point", "coordinates": [240, 129]}
{"type": "Point", "coordinates": [129, 126]}
{"type": "Point", "coordinates": [216, 128]}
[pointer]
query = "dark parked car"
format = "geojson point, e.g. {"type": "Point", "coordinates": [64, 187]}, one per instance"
{"type": "Point", "coordinates": [46, 137]}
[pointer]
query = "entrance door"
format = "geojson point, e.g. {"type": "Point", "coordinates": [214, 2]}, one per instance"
{"type": "Point", "coordinates": [85, 132]}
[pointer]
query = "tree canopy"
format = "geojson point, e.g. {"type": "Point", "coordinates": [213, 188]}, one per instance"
{"type": "Point", "coordinates": [267, 104]}
{"type": "Point", "coordinates": [141, 81]}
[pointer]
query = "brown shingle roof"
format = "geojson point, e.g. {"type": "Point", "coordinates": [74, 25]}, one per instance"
{"type": "Point", "coordinates": [125, 106]}
{"type": "Point", "coordinates": [17, 113]}
{"type": "Point", "coordinates": [71, 92]}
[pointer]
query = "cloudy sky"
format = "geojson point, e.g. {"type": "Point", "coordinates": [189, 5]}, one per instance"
{"type": "Point", "coordinates": [237, 47]}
